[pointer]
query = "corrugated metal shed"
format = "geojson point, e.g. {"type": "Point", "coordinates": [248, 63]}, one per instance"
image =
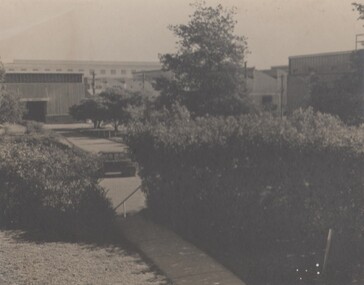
{"type": "Point", "coordinates": [58, 91]}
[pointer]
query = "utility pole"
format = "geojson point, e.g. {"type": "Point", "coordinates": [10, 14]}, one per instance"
{"type": "Point", "coordinates": [282, 92]}
{"type": "Point", "coordinates": [143, 80]}
{"type": "Point", "coordinates": [93, 83]}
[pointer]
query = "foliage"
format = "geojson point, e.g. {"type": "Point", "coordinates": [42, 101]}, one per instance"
{"type": "Point", "coordinates": [92, 109]}
{"type": "Point", "coordinates": [344, 98]}
{"type": "Point", "coordinates": [250, 182]}
{"type": "Point", "coordinates": [119, 103]}
{"type": "Point", "coordinates": [11, 109]}
{"type": "Point", "coordinates": [32, 127]}
{"type": "Point", "coordinates": [48, 186]}
{"type": "Point", "coordinates": [207, 68]}
{"type": "Point", "coordinates": [360, 9]}
{"type": "Point", "coordinates": [2, 75]}
{"type": "Point", "coordinates": [114, 105]}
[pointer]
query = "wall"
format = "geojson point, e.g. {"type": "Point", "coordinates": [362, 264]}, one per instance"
{"type": "Point", "coordinates": [59, 96]}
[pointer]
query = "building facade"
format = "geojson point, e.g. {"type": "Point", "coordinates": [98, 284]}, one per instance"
{"type": "Point", "coordinates": [101, 69]}
{"type": "Point", "coordinates": [50, 87]}
{"type": "Point", "coordinates": [47, 97]}
{"type": "Point", "coordinates": [268, 88]}
{"type": "Point", "coordinates": [327, 66]}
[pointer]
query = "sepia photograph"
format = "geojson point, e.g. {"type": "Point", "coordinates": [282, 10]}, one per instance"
{"type": "Point", "coordinates": [182, 142]}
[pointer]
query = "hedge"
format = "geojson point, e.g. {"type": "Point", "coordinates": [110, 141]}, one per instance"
{"type": "Point", "coordinates": [252, 183]}
{"type": "Point", "coordinates": [47, 186]}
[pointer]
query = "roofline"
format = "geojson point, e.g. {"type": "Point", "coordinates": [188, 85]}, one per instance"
{"type": "Point", "coordinates": [75, 62]}
{"type": "Point", "coordinates": [321, 54]}
{"type": "Point", "coordinates": [279, 66]}
{"type": "Point", "coordinates": [43, 73]}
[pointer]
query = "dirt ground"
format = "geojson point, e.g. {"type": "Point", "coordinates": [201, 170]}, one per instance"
{"type": "Point", "coordinates": [27, 262]}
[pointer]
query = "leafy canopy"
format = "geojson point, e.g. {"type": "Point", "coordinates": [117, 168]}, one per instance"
{"type": "Point", "coordinates": [114, 105]}
{"type": "Point", "coordinates": [11, 109]}
{"type": "Point", "coordinates": [208, 65]}
{"type": "Point", "coordinates": [118, 102]}
{"type": "Point", "coordinates": [92, 109]}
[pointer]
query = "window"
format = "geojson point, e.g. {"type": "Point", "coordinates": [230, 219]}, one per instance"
{"type": "Point", "coordinates": [92, 71]}
{"type": "Point", "coordinates": [42, 78]}
{"type": "Point", "coordinates": [267, 100]}
{"type": "Point", "coordinates": [70, 70]}
{"type": "Point", "coordinates": [102, 71]}
{"type": "Point", "coordinates": [23, 69]}
{"type": "Point", "coordinates": [123, 71]}
{"type": "Point", "coordinates": [81, 70]}
{"type": "Point", "coordinates": [47, 69]}
{"type": "Point", "coordinates": [35, 69]}
{"type": "Point", "coordinates": [113, 71]}
{"type": "Point", "coordinates": [11, 69]}
{"type": "Point", "coordinates": [59, 69]}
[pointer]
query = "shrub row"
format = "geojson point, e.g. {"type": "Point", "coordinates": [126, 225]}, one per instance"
{"type": "Point", "coordinates": [48, 186]}
{"type": "Point", "coordinates": [254, 182]}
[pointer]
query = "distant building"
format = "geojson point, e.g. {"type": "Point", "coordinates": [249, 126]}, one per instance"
{"type": "Point", "coordinates": [47, 96]}
{"type": "Point", "coordinates": [268, 88]}
{"type": "Point", "coordinates": [50, 87]}
{"type": "Point", "coordinates": [327, 66]}
{"type": "Point", "coordinates": [101, 69]}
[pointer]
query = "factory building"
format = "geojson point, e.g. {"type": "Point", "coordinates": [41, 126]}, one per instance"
{"type": "Point", "coordinates": [328, 67]}
{"type": "Point", "coordinates": [50, 87]}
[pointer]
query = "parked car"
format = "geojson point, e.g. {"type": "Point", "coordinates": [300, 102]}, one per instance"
{"type": "Point", "coordinates": [117, 164]}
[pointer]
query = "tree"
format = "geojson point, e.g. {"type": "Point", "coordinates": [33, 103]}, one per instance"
{"type": "Point", "coordinates": [345, 96]}
{"type": "Point", "coordinates": [208, 67]}
{"type": "Point", "coordinates": [92, 109]}
{"type": "Point", "coordinates": [11, 109]}
{"type": "Point", "coordinates": [360, 9]}
{"type": "Point", "coordinates": [118, 103]}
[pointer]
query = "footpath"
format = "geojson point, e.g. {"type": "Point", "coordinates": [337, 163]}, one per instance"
{"type": "Point", "coordinates": [177, 259]}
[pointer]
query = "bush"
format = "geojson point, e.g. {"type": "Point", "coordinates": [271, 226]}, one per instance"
{"type": "Point", "coordinates": [32, 127]}
{"type": "Point", "coordinates": [48, 186]}
{"type": "Point", "coordinates": [11, 109]}
{"type": "Point", "coordinates": [253, 182]}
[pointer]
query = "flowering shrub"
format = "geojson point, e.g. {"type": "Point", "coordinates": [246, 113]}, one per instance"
{"type": "Point", "coordinates": [46, 185]}
{"type": "Point", "coordinates": [254, 181]}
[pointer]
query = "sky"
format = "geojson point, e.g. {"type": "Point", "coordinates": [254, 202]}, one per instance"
{"type": "Point", "coordinates": [136, 30]}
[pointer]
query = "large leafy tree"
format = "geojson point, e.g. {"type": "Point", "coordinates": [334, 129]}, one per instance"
{"type": "Point", "coordinates": [119, 103]}
{"type": "Point", "coordinates": [90, 109]}
{"type": "Point", "coordinates": [208, 67]}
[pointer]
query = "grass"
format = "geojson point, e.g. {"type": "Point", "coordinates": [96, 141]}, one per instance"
{"type": "Point", "coordinates": [30, 262]}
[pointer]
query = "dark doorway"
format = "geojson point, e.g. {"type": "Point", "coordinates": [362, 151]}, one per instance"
{"type": "Point", "coordinates": [36, 111]}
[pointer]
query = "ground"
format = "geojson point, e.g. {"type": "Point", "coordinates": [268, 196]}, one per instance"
{"type": "Point", "coordinates": [28, 262]}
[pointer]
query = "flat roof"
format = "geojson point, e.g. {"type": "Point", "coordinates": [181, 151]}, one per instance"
{"type": "Point", "coordinates": [323, 54]}
{"type": "Point", "coordinates": [83, 62]}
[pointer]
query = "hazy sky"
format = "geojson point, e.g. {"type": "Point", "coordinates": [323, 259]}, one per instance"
{"type": "Point", "coordinates": [136, 30]}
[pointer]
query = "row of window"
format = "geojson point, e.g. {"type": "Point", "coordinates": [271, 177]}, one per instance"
{"type": "Point", "coordinates": [42, 78]}
{"type": "Point", "coordinates": [91, 71]}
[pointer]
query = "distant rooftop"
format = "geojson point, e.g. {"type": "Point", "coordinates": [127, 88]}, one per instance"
{"type": "Point", "coordinates": [323, 54]}
{"type": "Point", "coordinates": [84, 62]}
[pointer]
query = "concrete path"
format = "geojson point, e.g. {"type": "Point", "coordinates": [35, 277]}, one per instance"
{"type": "Point", "coordinates": [180, 261]}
